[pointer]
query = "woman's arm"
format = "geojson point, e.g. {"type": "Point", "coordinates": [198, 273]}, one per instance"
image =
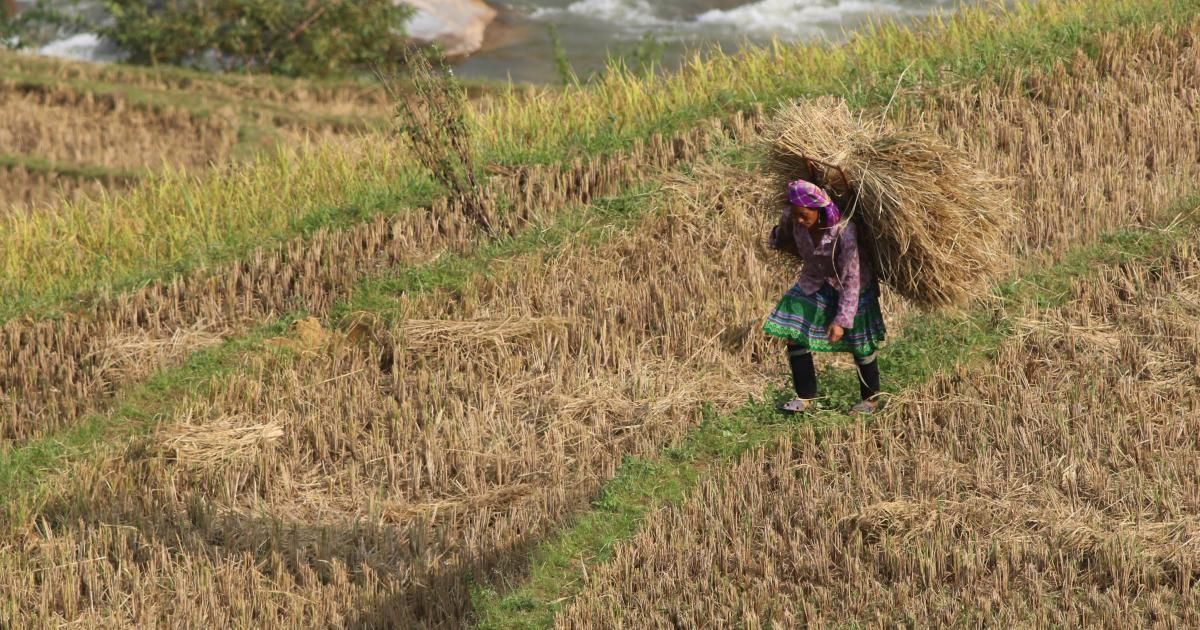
{"type": "Point", "coordinates": [847, 268]}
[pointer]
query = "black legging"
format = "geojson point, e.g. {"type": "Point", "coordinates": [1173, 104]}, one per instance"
{"type": "Point", "coordinates": [804, 374]}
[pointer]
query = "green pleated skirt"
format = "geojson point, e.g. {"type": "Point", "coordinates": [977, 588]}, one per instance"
{"type": "Point", "coordinates": [804, 320]}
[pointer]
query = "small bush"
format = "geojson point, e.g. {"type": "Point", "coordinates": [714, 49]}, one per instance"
{"type": "Point", "coordinates": [431, 117]}
{"type": "Point", "coordinates": [34, 24]}
{"type": "Point", "coordinates": [287, 37]}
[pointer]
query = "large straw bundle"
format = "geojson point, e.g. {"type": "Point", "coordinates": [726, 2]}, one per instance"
{"type": "Point", "coordinates": [932, 222]}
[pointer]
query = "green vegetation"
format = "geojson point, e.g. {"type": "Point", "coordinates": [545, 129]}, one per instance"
{"type": "Point", "coordinates": [281, 37]}
{"type": "Point", "coordinates": [16, 29]}
{"type": "Point", "coordinates": [562, 63]}
{"type": "Point", "coordinates": [177, 222]}
{"type": "Point", "coordinates": [286, 37]}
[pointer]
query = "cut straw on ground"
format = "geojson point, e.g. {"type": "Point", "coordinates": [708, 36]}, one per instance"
{"type": "Point", "coordinates": [401, 473]}
{"type": "Point", "coordinates": [929, 345]}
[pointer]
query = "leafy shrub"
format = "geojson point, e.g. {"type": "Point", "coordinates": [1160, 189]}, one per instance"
{"type": "Point", "coordinates": [20, 29]}
{"type": "Point", "coordinates": [288, 37]}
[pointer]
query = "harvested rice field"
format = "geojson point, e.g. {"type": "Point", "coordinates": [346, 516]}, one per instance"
{"type": "Point", "coordinates": [1055, 486]}
{"type": "Point", "coordinates": [82, 129]}
{"type": "Point", "coordinates": [71, 372]}
{"type": "Point", "coordinates": [27, 186]}
{"type": "Point", "coordinates": [405, 421]}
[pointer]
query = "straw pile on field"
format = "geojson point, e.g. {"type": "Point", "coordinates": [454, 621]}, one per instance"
{"type": "Point", "coordinates": [933, 220]}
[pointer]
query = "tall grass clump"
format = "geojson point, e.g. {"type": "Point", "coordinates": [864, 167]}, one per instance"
{"type": "Point", "coordinates": [432, 119]}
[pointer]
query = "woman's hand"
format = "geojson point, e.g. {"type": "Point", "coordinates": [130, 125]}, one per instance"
{"type": "Point", "coordinates": [836, 333]}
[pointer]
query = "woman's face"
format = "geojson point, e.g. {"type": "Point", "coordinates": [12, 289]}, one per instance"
{"type": "Point", "coordinates": [805, 217]}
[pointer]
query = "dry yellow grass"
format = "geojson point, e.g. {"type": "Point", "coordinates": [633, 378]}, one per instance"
{"type": "Point", "coordinates": [22, 189]}
{"type": "Point", "coordinates": [1083, 169]}
{"type": "Point", "coordinates": [125, 119]}
{"type": "Point", "coordinates": [120, 117]}
{"type": "Point", "coordinates": [98, 130]}
{"type": "Point", "coordinates": [436, 446]}
{"type": "Point", "coordinates": [53, 381]}
{"type": "Point", "coordinates": [340, 98]}
{"type": "Point", "coordinates": [361, 483]}
{"type": "Point", "coordinates": [1055, 487]}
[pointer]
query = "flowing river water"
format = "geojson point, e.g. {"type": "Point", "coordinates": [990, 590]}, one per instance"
{"type": "Point", "coordinates": [591, 30]}
{"type": "Point", "coordinates": [519, 45]}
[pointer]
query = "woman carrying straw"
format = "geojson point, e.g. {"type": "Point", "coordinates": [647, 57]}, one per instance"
{"type": "Point", "coordinates": [834, 307]}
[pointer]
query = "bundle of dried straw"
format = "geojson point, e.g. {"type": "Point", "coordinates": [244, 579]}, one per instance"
{"type": "Point", "coordinates": [932, 222]}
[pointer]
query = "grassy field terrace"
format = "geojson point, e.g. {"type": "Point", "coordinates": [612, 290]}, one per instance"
{"type": "Point", "coordinates": [301, 389]}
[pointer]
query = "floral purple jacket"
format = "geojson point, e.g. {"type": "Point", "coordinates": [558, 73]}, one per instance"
{"type": "Point", "coordinates": [835, 260]}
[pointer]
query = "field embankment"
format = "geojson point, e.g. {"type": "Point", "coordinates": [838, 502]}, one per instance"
{"type": "Point", "coordinates": [369, 474]}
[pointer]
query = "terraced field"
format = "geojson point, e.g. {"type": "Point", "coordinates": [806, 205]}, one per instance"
{"type": "Point", "coordinates": [393, 419]}
{"type": "Point", "coordinates": [1054, 487]}
{"type": "Point", "coordinates": [68, 129]}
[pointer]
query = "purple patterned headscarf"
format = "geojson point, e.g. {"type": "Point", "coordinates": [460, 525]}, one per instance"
{"type": "Point", "coordinates": [809, 195]}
